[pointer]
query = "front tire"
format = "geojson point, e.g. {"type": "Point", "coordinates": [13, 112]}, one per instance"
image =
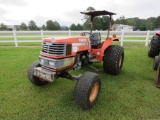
{"type": "Point", "coordinates": [156, 62]}
{"type": "Point", "coordinates": [113, 59]}
{"type": "Point", "coordinates": [87, 90]}
{"type": "Point", "coordinates": [33, 79]}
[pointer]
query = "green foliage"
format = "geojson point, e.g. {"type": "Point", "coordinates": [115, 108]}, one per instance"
{"type": "Point", "coordinates": [64, 28]}
{"type": "Point", "coordinates": [88, 9]}
{"type": "Point", "coordinates": [50, 25]}
{"type": "Point", "coordinates": [32, 25]}
{"type": "Point", "coordinates": [86, 24]}
{"type": "Point", "coordinates": [23, 26]}
{"type": "Point", "coordinates": [105, 24]}
{"type": "Point", "coordinates": [150, 23]}
{"type": "Point", "coordinates": [79, 27]}
{"type": "Point", "coordinates": [121, 20]}
{"type": "Point", "coordinates": [141, 24]}
{"type": "Point", "coordinates": [44, 27]}
{"type": "Point", "coordinates": [76, 27]}
{"type": "Point", "coordinates": [73, 27]}
{"type": "Point", "coordinates": [3, 27]}
{"type": "Point", "coordinates": [157, 22]}
{"type": "Point", "coordinates": [97, 23]}
{"type": "Point", "coordinates": [57, 25]}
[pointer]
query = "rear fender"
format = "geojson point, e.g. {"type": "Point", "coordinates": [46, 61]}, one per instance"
{"type": "Point", "coordinates": [105, 45]}
{"type": "Point", "coordinates": [158, 33]}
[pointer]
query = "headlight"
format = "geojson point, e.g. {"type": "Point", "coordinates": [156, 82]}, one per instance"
{"type": "Point", "coordinates": [51, 63]}
{"type": "Point", "coordinates": [42, 61]}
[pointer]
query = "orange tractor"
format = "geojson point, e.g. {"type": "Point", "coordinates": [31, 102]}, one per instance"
{"type": "Point", "coordinates": [59, 55]}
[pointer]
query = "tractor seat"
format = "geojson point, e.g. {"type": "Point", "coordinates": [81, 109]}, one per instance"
{"type": "Point", "coordinates": [95, 40]}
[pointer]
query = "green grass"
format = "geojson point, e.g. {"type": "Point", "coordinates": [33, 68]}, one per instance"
{"type": "Point", "coordinates": [130, 95]}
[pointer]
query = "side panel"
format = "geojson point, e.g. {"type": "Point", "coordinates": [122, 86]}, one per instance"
{"type": "Point", "coordinates": [100, 52]}
{"type": "Point", "coordinates": [97, 52]}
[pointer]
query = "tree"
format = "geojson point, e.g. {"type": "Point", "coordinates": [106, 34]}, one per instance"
{"type": "Point", "coordinates": [3, 27]}
{"type": "Point", "coordinates": [43, 27]}
{"type": "Point", "coordinates": [97, 23]}
{"type": "Point", "coordinates": [130, 21]}
{"type": "Point", "coordinates": [73, 27]}
{"type": "Point", "coordinates": [90, 8]}
{"type": "Point", "coordinates": [57, 25]}
{"type": "Point", "coordinates": [32, 25]}
{"type": "Point", "coordinates": [150, 23]}
{"type": "Point", "coordinates": [143, 27]}
{"type": "Point", "coordinates": [50, 25]}
{"type": "Point", "coordinates": [138, 22]}
{"type": "Point", "coordinates": [86, 24]}
{"type": "Point", "coordinates": [79, 27]}
{"type": "Point", "coordinates": [23, 26]}
{"type": "Point", "coordinates": [157, 22]}
{"type": "Point", "coordinates": [105, 24]}
{"type": "Point", "coordinates": [121, 20]}
{"type": "Point", "coordinates": [64, 28]}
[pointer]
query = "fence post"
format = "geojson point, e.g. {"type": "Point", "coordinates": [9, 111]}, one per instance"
{"type": "Point", "coordinates": [122, 37]}
{"type": "Point", "coordinates": [147, 38]}
{"type": "Point", "coordinates": [15, 38]}
{"type": "Point", "coordinates": [42, 34]}
{"type": "Point", "coordinates": [69, 32]}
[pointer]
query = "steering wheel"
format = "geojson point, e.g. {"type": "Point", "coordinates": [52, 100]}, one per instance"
{"type": "Point", "coordinates": [84, 34]}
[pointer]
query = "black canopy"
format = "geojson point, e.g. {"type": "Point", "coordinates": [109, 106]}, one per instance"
{"type": "Point", "coordinates": [97, 13]}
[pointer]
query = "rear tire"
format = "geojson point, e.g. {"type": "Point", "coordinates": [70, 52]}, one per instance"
{"type": "Point", "coordinates": [87, 90]}
{"type": "Point", "coordinates": [33, 79]}
{"type": "Point", "coordinates": [156, 62]}
{"type": "Point", "coordinates": [154, 47]}
{"type": "Point", "coordinates": [157, 77]}
{"type": "Point", "coordinates": [113, 59]}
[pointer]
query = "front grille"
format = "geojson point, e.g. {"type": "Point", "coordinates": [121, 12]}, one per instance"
{"type": "Point", "coordinates": [57, 49]}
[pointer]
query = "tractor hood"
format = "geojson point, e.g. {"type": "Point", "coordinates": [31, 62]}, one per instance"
{"type": "Point", "coordinates": [69, 40]}
{"type": "Point", "coordinates": [63, 47]}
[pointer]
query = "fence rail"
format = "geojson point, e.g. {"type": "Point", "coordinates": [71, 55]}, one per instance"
{"type": "Point", "coordinates": [16, 35]}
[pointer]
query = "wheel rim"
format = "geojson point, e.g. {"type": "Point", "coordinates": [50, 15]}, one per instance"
{"type": "Point", "coordinates": [120, 61]}
{"type": "Point", "coordinates": [94, 92]}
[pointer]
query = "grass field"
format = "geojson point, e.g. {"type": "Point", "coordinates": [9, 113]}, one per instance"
{"type": "Point", "coordinates": [130, 95]}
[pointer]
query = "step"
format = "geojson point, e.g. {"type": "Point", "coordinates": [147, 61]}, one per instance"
{"type": "Point", "coordinates": [94, 60]}
{"type": "Point", "coordinates": [92, 56]}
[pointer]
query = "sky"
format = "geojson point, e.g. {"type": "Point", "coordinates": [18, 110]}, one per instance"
{"type": "Point", "coordinates": [66, 12]}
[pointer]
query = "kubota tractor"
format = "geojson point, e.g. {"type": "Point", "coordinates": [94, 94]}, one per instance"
{"type": "Point", "coordinates": [59, 55]}
{"type": "Point", "coordinates": [154, 50]}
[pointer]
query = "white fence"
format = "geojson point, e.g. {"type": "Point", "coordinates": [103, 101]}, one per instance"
{"type": "Point", "coordinates": [41, 34]}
